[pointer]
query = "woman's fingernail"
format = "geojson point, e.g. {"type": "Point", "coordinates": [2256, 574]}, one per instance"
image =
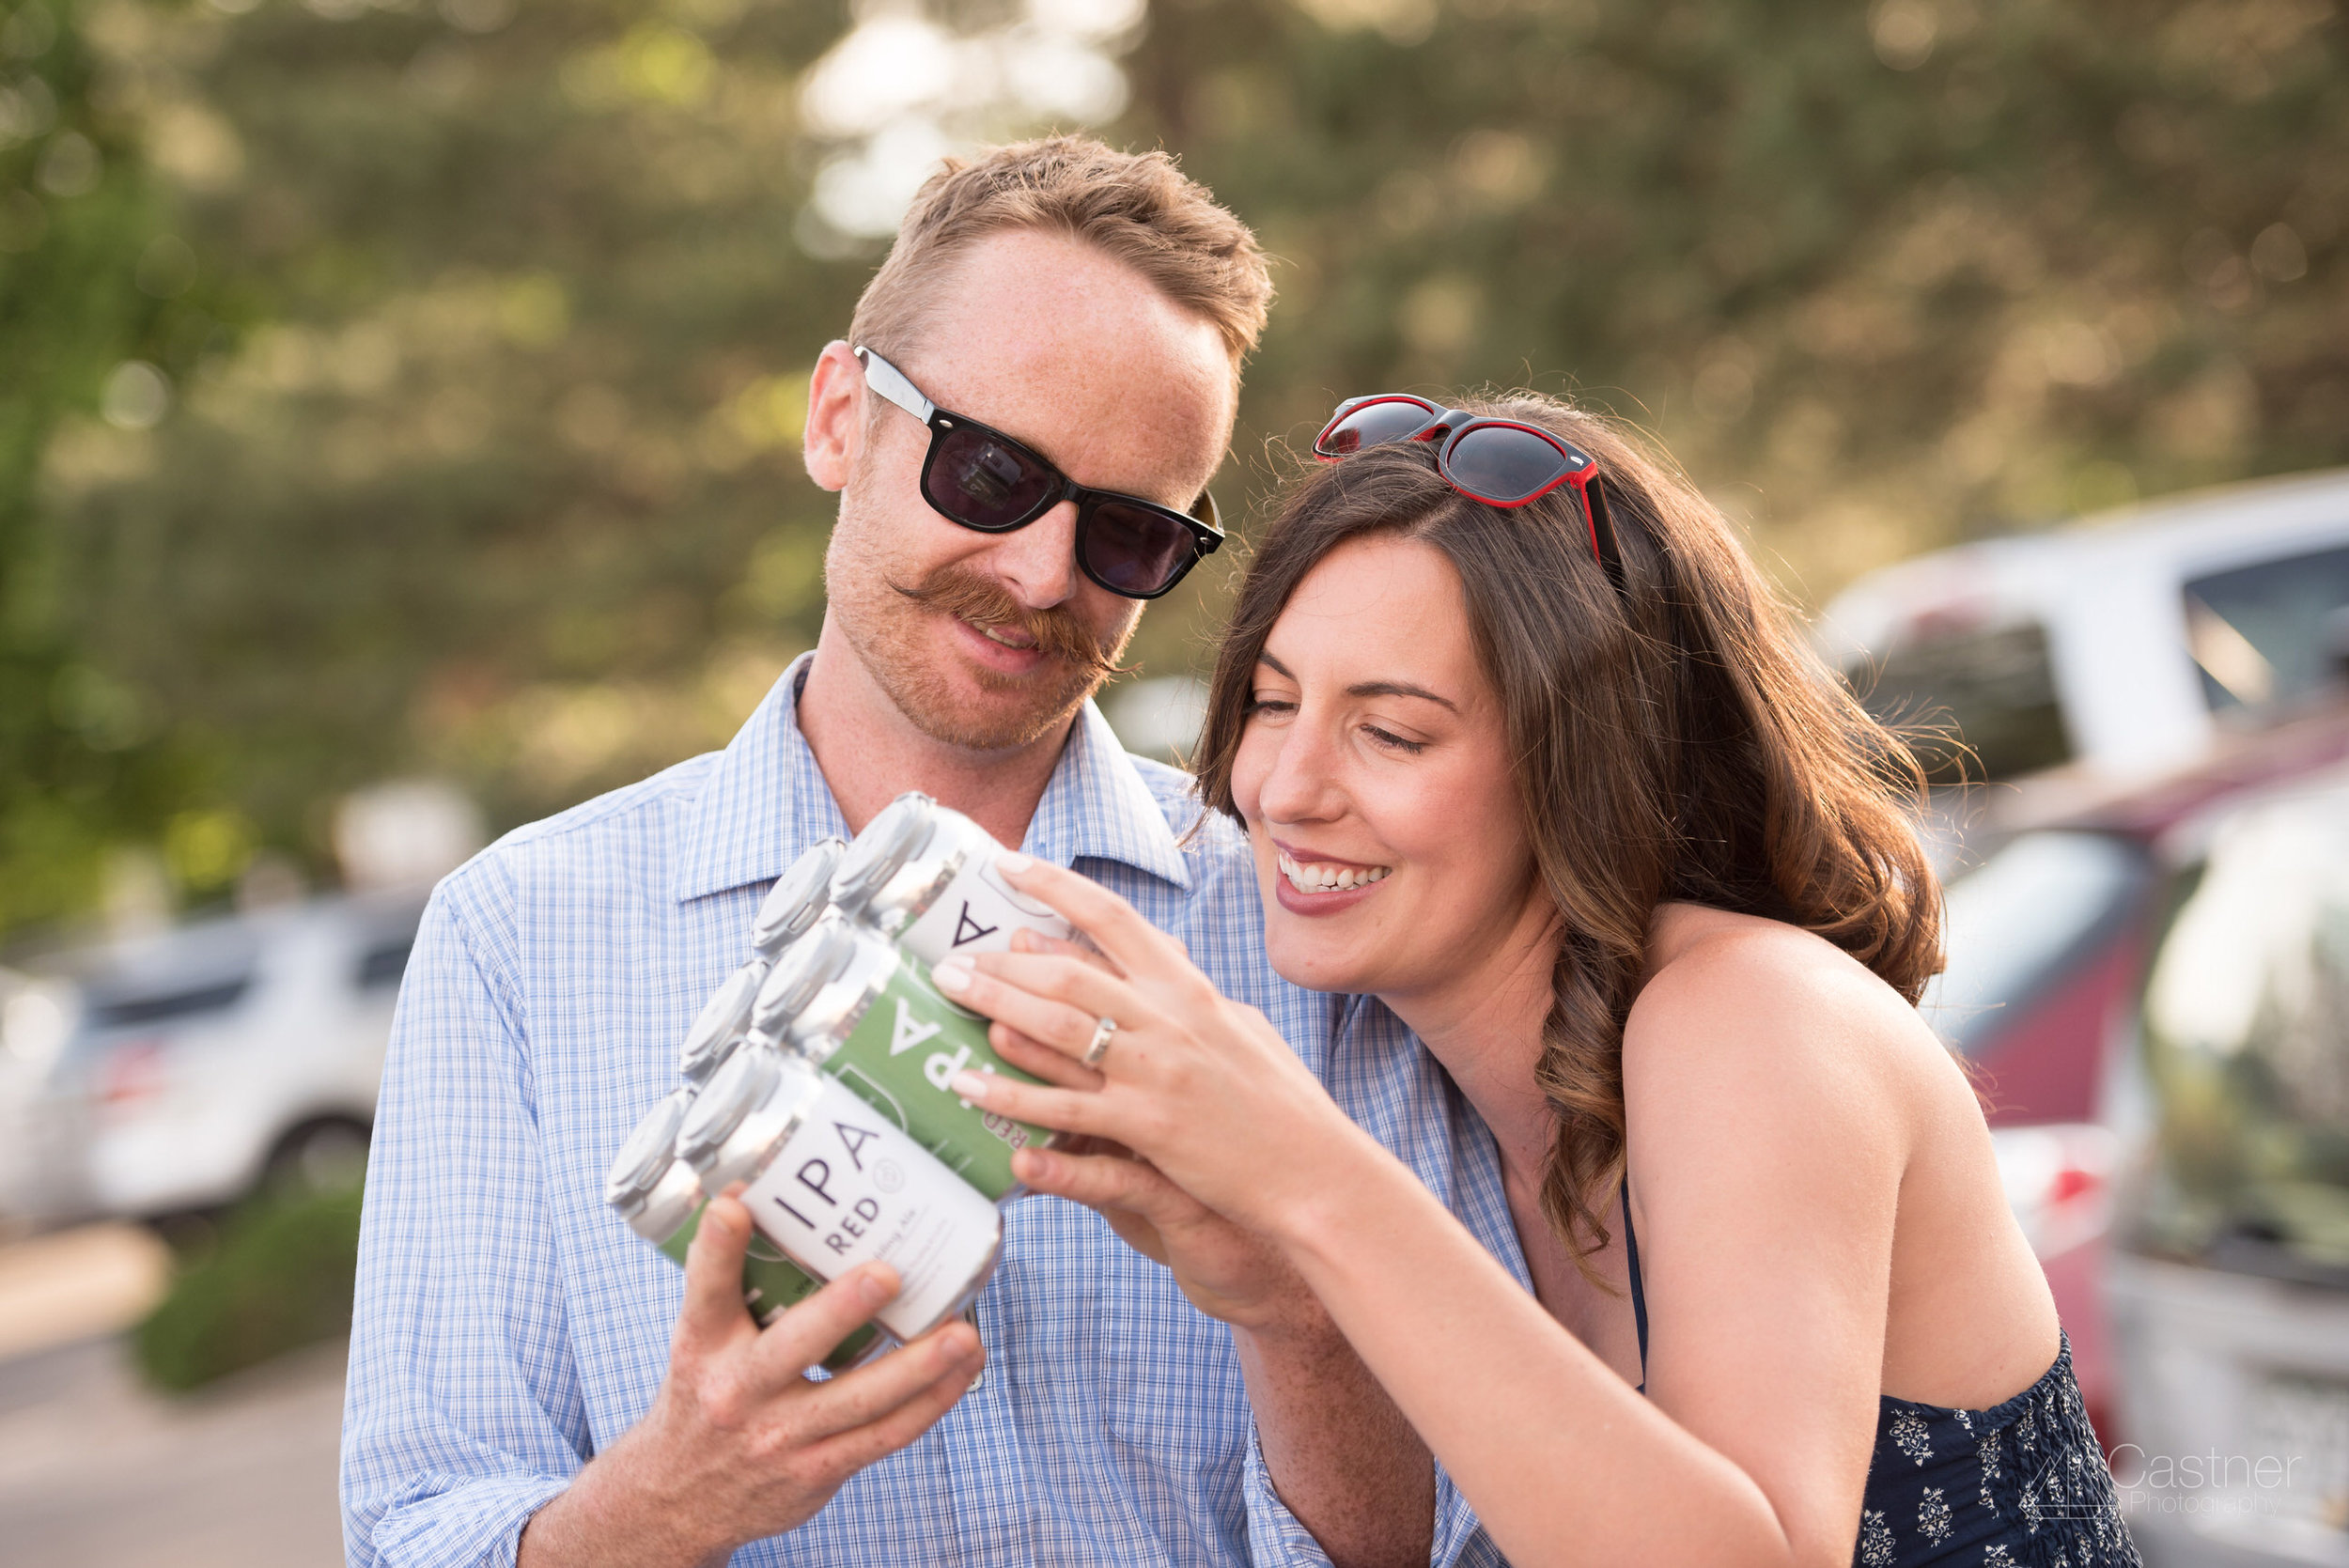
{"type": "Point", "coordinates": [953, 976]}
{"type": "Point", "coordinates": [1012, 863]}
{"type": "Point", "coordinates": [971, 1086]}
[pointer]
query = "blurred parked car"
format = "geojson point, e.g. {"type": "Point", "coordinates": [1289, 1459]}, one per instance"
{"type": "Point", "coordinates": [2230, 1277]}
{"type": "Point", "coordinates": [2048, 941]}
{"type": "Point", "coordinates": [176, 1074]}
{"type": "Point", "coordinates": [2109, 653]}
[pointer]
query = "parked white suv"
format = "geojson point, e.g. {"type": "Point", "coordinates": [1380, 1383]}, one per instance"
{"type": "Point", "coordinates": [177, 1072]}
{"type": "Point", "coordinates": [2113, 651]}
{"type": "Point", "coordinates": [2230, 1283]}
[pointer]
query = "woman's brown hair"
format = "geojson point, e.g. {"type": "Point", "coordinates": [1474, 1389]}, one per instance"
{"type": "Point", "coordinates": [1675, 739]}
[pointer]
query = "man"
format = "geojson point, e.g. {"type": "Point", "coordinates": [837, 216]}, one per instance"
{"type": "Point", "coordinates": [527, 1378]}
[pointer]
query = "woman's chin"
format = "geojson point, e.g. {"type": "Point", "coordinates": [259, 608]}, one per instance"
{"type": "Point", "coordinates": [1316, 963]}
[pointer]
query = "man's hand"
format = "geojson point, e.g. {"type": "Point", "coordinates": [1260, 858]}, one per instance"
{"type": "Point", "coordinates": [740, 1444]}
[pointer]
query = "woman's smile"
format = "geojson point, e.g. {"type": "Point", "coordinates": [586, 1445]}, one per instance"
{"type": "Point", "coordinates": [1310, 883]}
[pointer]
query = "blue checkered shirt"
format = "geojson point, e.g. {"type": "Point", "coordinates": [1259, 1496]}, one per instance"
{"type": "Point", "coordinates": [509, 1326]}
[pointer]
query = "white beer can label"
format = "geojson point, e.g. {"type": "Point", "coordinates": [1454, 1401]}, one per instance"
{"type": "Point", "coordinates": [847, 1186]}
{"type": "Point", "coordinates": [977, 913]}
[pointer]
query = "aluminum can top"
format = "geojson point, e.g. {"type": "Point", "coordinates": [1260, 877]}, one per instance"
{"type": "Point", "coordinates": [721, 1023]}
{"type": "Point", "coordinates": [753, 1104]}
{"type": "Point", "coordinates": [642, 1186]}
{"type": "Point", "coordinates": [798, 897]}
{"type": "Point", "coordinates": [852, 975]}
{"type": "Point", "coordinates": [805, 968]}
{"type": "Point", "coordinates": [901, 831]}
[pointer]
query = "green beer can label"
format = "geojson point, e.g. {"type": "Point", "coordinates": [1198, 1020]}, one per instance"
{"type": "Point", "coordinates": [903, 1052]}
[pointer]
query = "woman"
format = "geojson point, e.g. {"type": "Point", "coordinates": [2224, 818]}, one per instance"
{"type": "Point", "coordinates": [1526, 750]}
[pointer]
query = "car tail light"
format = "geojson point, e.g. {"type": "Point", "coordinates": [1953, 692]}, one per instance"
{"type": "Point", "coordinates": [2059, 1179]}
{"type": "Point", "coordinates": [133, 1071]}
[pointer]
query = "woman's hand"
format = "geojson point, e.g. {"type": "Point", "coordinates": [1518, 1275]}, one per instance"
{"type": "Point", "coordinates": [1227, 1272]}
{"type": "Point", "coordinates": [1202, 1088]}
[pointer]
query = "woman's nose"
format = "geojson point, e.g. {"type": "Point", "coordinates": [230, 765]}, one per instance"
{"type": "Point", "coordinates": [1302, 785]}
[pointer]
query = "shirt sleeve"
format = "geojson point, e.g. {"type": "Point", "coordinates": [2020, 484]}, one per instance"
{"type": "Point", "coordinates": [1277, 1540]}
{"type": "Point", "coordinates": [463, 1414]}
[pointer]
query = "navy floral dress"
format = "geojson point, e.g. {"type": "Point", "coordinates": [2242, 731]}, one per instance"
{"type": "Point", "coordinates": [2022, 1484]}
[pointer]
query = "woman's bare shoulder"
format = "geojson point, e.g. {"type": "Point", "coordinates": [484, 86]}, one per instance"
{"type": "Point", "coordinates": [1777, 1008]}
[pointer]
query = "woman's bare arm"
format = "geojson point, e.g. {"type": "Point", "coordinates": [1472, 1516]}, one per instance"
{"type": "Point", "coordinates": [1768, 1158]}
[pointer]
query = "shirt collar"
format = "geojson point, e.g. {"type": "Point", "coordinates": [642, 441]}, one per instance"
{"type": "Point", "coordinates": [765, 799]}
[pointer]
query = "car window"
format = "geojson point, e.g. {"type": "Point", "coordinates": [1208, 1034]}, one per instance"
{"type": "Point", "coordinates": [2247, 1042]}
{"type": "Point", "coordinates": [2273, 633]}
{"type": "Point", "coordinates": [382, 965]}
{"type": "Point", "coordinates": [1977, 702]}
{"type": "Point", "coordinates": [2021, 920]}
{"type": "Point", "coordinates": [110, 1009]}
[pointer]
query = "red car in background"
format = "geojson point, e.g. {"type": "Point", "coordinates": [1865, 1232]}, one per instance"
{"type": "Point", "coordinates": [2048, 941]}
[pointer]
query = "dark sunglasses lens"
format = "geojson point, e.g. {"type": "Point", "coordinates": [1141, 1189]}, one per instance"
{"type": "Point", "coordinates": [1503, 465]}
{"type": "Point", "coordinates": [979, 481]}
{"type": "Point", "coordinates": [1133, 549]}
{"type": "Point", "coordinates": [1373, 425]}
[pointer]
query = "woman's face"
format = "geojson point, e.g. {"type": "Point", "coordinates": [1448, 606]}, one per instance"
{"type": "Point", "coordinates": [1373, 776]}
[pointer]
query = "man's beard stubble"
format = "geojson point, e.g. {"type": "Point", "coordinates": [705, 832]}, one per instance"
{"type": "Point", "coordinates": [1077, 661]}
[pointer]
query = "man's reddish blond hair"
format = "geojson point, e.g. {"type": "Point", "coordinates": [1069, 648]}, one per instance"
{"type": "Point", "coordinates": [1137, 207]}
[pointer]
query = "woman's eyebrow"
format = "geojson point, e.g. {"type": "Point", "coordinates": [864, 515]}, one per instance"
{"type": "Point", "coordinates": [1369, 688]}
{"type": "Point", "coordinates": [1399, 689]}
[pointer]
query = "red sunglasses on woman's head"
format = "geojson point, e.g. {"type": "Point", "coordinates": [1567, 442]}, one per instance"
{"type": "Point", "coordinates": [1501, 462]}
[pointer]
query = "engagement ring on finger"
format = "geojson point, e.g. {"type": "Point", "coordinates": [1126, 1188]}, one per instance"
{"type": "Point", "coordinates": [1099, 1047]}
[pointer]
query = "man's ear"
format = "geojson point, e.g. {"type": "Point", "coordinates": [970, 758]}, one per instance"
{"type": "Point", "coordinates": [835, 416]}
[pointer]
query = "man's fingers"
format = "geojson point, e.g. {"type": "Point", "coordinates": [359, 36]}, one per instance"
{"type": "Point", "coordinates": [713, 1314]}
{"type": "Point", "coordinates": [807, 1333]}
{"type": "Point", "coordinates": [1055, 1067]}
{"type": "Point", "coordinates": [863, 1396]}
{"type": "Point", "coordinates": [859, 1446]}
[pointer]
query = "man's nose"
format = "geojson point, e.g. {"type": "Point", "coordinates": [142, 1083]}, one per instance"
{"type": "Point", "coordinates": [1039, 563]}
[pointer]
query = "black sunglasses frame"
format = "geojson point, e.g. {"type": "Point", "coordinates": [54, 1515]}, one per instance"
{"type": "Point", "coordinates": [1577, 469]}
{"type": "Point", "coordinates": [1207, 532]}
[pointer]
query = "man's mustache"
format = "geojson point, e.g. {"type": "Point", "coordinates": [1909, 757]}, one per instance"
{"type": "Point", "coordinates": [967, 596]}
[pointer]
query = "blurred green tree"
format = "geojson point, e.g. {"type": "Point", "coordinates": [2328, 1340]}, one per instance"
{"type": "Point", "coordinates": [498, 474]}
{"type": "Point", "coordinates": [88, 319]}
{"type": "Point", "coordinates": [471, 447]}
{"type": "Point", "coordinates": [1880, 277]}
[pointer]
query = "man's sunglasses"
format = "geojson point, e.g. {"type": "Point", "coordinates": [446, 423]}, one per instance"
{"type": "Point", "coordinates": [983, 479]}
{"type": "Point", "coordinates": [1501, 462]}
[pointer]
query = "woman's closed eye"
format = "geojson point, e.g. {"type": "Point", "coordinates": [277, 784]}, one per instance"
{"type": "Point", "coordinates": [1266, 702]}
{"type": "Point", "coordinates": [1393, 743]}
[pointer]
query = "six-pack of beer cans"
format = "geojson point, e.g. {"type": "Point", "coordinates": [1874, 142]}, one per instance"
{"type": "Point", "coordinates": [817, 1077]}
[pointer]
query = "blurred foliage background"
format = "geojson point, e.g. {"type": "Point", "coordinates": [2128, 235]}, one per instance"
{"type": "Point", "coordinates": [392, 387]}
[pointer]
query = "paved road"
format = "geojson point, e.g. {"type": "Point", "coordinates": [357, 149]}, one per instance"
{"type": "Point", "coordinates": [96, 1471]}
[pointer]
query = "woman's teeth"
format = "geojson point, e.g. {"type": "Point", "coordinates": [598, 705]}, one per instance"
{"type": "Point", "coordinates": [1320, 877]}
